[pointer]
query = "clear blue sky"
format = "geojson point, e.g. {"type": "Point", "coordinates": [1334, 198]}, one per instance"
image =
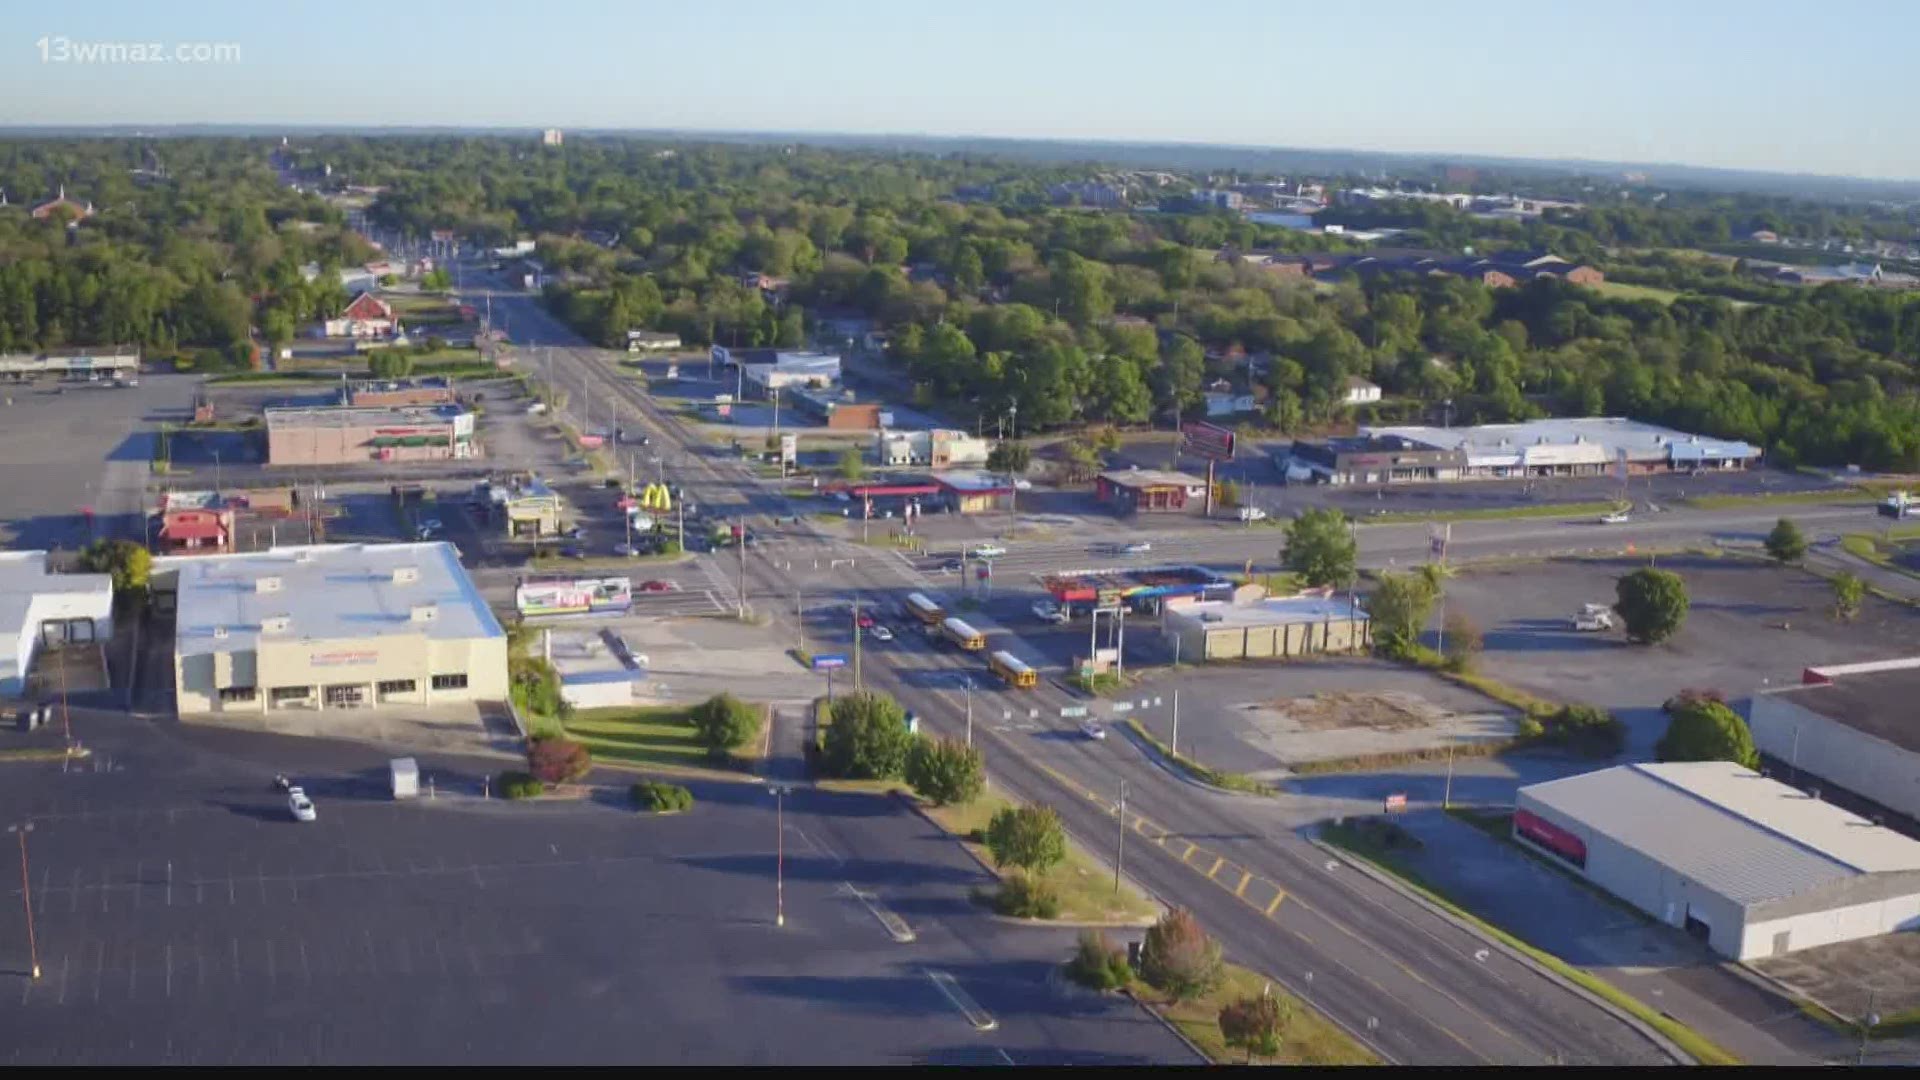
{"type": "Point", "coordinates": [1769, 84]}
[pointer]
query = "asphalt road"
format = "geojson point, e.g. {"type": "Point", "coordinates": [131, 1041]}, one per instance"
{"type": "Point", "coordinates": [1412, 985]}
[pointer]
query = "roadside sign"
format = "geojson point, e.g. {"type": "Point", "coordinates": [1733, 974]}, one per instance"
{"type": "Point", "coordinates": [829, 661]}
{"type": "Point", "coordinates": [1438, 536]}
{"type": "Point", "coordinates": [1397, 802]}
{"type": "Point", "coordinates": [1073, 712]}
{"type": "Point", "coordinates": [789, 449]}
{"type": "Point", "coordinates": [1202, 439]}
{"type": "Point", "coordinates": [1123, 706]}
{"type": "Point", "coordinates": [985, 571]}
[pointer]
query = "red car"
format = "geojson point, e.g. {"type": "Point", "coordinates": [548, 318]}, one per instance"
{"type": "Point", "coordinates": [865, 620]}
{"type": "Point", "coordinates": [656, 586]}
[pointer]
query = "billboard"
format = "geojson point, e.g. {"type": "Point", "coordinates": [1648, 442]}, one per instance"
{"type": "Point", "coordinates": [573, 596]}
{"type": "Point", "coordinates": [1206, 440]}
{"type": "Point", "coordinates": [829, 661]}
{"type": "Point", "coordinates": [789, 449]}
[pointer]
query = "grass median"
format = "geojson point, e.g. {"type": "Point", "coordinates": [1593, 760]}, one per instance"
{"type": "Point", "coordinates": [1491, 513]}
{"type": "Point", "coordinates": [1368, 846]}
{"type": "Point", "coordinates": [1206, 774]}
{"type": "Point", "coordinates": [1306, 1037]}
{"type": "Point", "coordinates": [1085, 888]}
{"type": "Point", "coordinates": [659, 736]}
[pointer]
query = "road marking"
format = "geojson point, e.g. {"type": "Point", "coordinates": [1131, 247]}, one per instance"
{"type": "Point", "coordinates": [1245, 877]}
{"type": "Point", "coordinates": [1275, 906]}
{"type": "Point", "coordinates": [895, 926]}
{"type": "Point", "coordinates": [1004, 1056]}
{"type": "Point", "coordinates": [1191, 848]}
{"type": "Point", "coordinates": [969, 1008]}
{"type": "Point", "coordinates": [96, 985]}
{"type": "Point", "coordinates": [1218, 862]}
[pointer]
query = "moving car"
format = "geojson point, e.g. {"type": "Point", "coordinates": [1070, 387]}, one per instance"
{"type": "Point", "coordinates": [1093, 731]}
{"type": "Point", "coordinates": [1022, 485]}
{"type": "Point", "coordinates": [951, 566]}
{"type": "Point", "coordinates": [572, 551]}
{"type": "Point", "coordinates": [1594, 617]}
{"type": "Point", "coordinates": [1138, 547]}
{"type": "Point", "coordinates": [986, 551]}
{"type": "Point", "coordinates": [628, 550]}
{"type": "Point", "coordinates": [576, 533]}
{"type": "Point", "coordinates": [865, 621]}
{"type": "Point", "coordinates": [881, 633]}
{"type": "Point", "coordinates": [656, 586]}
{"type": "Point", "coordinates": [1048, 611]}
{"type": "Point", "coordinates": [1252, 513]}
{"type": "Point", "coordinates": [301, 806]}
{"type": "Point", "coordinates": [1618, 517]}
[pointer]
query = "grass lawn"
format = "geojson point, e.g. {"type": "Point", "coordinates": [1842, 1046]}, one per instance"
{"type": "Point", "coordinates": [648, 735]}
{"type": "Point", "coordinates": [1620, 290]}
{"type": "Point", "coordinates": [1306, 1038]}
{"type": "Point", "coordinates": [1579, 509]}
{"type": "Point", "coordinates": [1085, 887]}
{"type": "Point", "coordinates": [1206, 774]}
{"type": "Point", "coordinates": [1825, 495]}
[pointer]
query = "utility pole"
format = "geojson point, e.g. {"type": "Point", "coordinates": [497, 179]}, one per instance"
{"type": "Point", "coordinates": [968, 683]}
{"type": "Point", "coordinates": [741, 540]}
{"type": "Point", "coordinates": [857, 684]}
{"type": "Point", "coordinates": [1120, 846]}
{"type": "Point", "coordinates": [1175, 745]}
{"type": "Point", "coordinates": [26, 895]}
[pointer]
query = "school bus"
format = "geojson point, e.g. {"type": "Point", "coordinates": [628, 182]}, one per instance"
{"type": "Point", "coordinates": [1008, 667]}
{"type": "Point", "coordinates": [963, 635]}
{"type": "Point", "coordinates": [919, 607]}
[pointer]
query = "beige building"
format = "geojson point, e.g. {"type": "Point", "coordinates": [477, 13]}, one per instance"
{"type": "Point", "coordinates": [1254, 626]}
{"type": "Point", "coordinates": [347, 434]}
{"type": "Point", "coordinates": [330, 626]}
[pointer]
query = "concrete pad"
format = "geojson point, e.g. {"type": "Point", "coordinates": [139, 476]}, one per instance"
{"type": "Point", "coordinates": [453, 728]}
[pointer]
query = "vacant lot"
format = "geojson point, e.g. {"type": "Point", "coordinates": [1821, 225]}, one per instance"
{"type": "Point", "coordinates": [651, 735]}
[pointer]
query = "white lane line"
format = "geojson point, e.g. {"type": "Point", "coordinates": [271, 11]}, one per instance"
{"type": "Point", "coordinates": [894, 925]}
{"type": "Point", "coordinates": [819, 847]}
{"type": "Point", "coordinates": [969, 1008]}
{"type": "Point", "coordinates": [1004, 1056]}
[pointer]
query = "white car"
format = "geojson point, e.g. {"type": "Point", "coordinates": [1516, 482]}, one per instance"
{"type": "Point", "coordinates": [627, 550]}
{"type": "Point", "coordinates": [881, 633]}
{"type": "Point", "coordinates": [1618, 517]}
{"type": "Point", "coordinates": [1093, 731]}
{"type": "Point", "coordinates": [1048, 611]}
{"type": "Point", "coordinates": [1023, 485]}
{"type": "Point", "coordinates": [987, 551]}
{"type": "Point", "coordinates": [1252, 513]}
{"type": "Point", "coordinates": [301, 806]}
{"type": "Point", "coordinates": [1594, 617]}
{"type": "Point", "coordinates": [1138, 547]}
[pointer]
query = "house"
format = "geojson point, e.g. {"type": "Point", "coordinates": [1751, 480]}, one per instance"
{"type": "Point", "coordinates": [367, 316]}
{"type": "Point", "coordinates": [195, 523]}
{"type": "Point", "coordinates": [74, 212]}
{"type": "Point", "coordinates": [651, 340]}
{"type": "Point", "coordinates": [1150, 491]}
{"type": "Point", "coordinates": [1359, 391]}
{"type": "Point", "coordinates": [936, 449]}
{"type": "Point", "coordinates": [1764, 236]}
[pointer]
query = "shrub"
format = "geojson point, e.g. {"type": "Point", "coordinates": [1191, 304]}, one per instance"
{"type": "Point", "coordinates": [724, 722]}
{"type": "Point", "coordinates": [868, 739]}
{"type": "Point", "coordinates": [1254, 1024]}
{"type": "Point", "coordinates": [1098, 964]}
{"type": "Point", "coordinates": [1179, 957]}
{"type": "Point", "coordinates": [1786, 543]}
{"type": "Point", "coordinates": [1652, 604]}
{"type": "Point", "coordinates": [1591, 731]}
{"type": "Point", "coordinates": [519, 785]}
{"type": "Point", "coordinates": [1025, 897]}
{"type": "Point", "coordinates": [1463, 641]}
{"type": "Point", "coordinates": [1028, 838]}
{"type": "Point", "coordinates": [943, 771]}
{"type": "Point", "coordinates": [558, 760]}
{"type": "Point", "coordinates": [1703, 730]}
{"type": "Point", "coordinates": [661, 798]}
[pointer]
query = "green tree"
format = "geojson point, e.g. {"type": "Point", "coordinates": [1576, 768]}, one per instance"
{"type": "Point", "coordinates": [1028, 838]}
{"type": "Point", "coordinates": [868, 739]}
{"type": "Point", "coordinates": [1848, 594]}
{"type": "Point", "coordinates": [1463, 641]}
{"type": "Point", "coordinates": [390, 364]}
{"type": "Point", "coordinates": [1652, 604]}
{"type": "Point", "coordinates": [724, 722]}
{"type": "Point", "coordinates": [1786, 543]}
{"type": "Point", "coordinates": [1009, 457]}
{"type": "Point", "coordinates": [1254, 1023]}
{"type": "Point", "coordinates": [945, 772]}
{"type": "Point", "coordinates": [1098, 964]}
{"type": "Point", "coordinates": [437, 280]}
{"type": "Point", "coordinates": [1701, 729]}
{"type": "Point", "coordinates": [126, 561]}
{"type": "Point", "coordinates": [1399, 608]}
{"type": "Point", "coordinates": [1320, 548]}
{"type": "Point", "coordinates": [1179, 957]}
{"type": "Point", "coordinates": [852, 466]}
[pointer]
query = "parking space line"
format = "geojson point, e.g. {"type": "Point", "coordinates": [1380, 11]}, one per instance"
{"type": "Point", "coordinates": [96, 985]}
{"type": "Point", "coordinates": [306, 972]}
{"type": "Point", "coordinates": [1245, 877]}
{"type": "Point", "coordinates": [969, 1008]}
{"type": "Point", "coordinates": [1191, 848]}
{"type": "Point", "coordinates": [100, 965]}
{"type": "Point", "coordinates": [66, 965]}
{"type": "Point", "coordinates": [1218, 862]}
{"type": "Point", "coordinates": [1277, 897]}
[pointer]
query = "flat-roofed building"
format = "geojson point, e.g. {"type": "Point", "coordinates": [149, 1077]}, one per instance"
{"type": "Point", "coordinates": [1254, 626]}
{"type": "Point", "coordinates": [330, 626]}
{"type": "Point", "coordinates": [39, 608]}
{"type": "Point", "coordinates": [1848, 726]}
{"type": "Point", "coordinates": [347, 435]}
{"type": "Point", "coordinates": [1150, 491]}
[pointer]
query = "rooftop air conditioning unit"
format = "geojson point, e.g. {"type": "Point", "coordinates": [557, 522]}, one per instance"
{"type": "Point", "coordinates": [220, 633]}
{"type": "Point", "coordinates": [269, 584]}
{"type": "Point", "coordinates": [406, 575]}
{"type": "Point", "coordinates": [423, 613]}
{"type": "Point", "coordinates": [275, 624]}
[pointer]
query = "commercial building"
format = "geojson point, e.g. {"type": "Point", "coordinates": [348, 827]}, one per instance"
{"type": "Point", "coordinates": [839, 410]}
{"type": "Point", "coordinates": [1748, 865]}
{"type": "Point", "coordinates": [1150, 491]}
{"type": "Point", "coordinates": [330, 626]}
{"type": "Point", "coordinates": [1849, 727]}
{"type": "Point", "coordinates": [651, 340]}
{"type": "Point", "coordinates": [195, 523]}
{"type": "Point", "coordinates": [114, 362]}
{"type": "Point", "coordinates": [39, 608]}
{"type": "Point", "coordinates": [399, 393]}
{"type": "Point", "coordinates": [1143, 589]}
{"type": "Point", "coordinates": [348, 435]}
{"type": "Point", "coordinates": [767, 370]}
{"type": "Point", "coordinates": [1580, 446]}
{"type": "Point", "coordinates": [969, 492]}
{"type": "Point", "coordinates": [367, 316]}
{"type": "Point", "coordinates": [939, 448]}
{"type": "Point", "coordinates": [1251, 625]}
{"type": "Point", "coordinates": [524, 506]}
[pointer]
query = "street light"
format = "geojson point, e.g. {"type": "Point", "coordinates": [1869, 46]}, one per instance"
{"type": "Point", "coordinates": [967, 682]}
{"type": "Point", "coordinates": [780, 793]}
{"type": "Point", "coordinates": [26, 894]}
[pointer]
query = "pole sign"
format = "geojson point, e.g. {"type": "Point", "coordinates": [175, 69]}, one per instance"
{"type": "Point", "coordinates": [1397, 802]}
{"type": "Point", "coordinates": [1621, 465]}
{"type": "Point", "coordinates": [1437, 537]}
{"type": "Point", "coordinates": [1210, 441]}
{"type": "Point", "coordinates": [789, 449]}
{"type": "Point", "coordinates": [829, 661]}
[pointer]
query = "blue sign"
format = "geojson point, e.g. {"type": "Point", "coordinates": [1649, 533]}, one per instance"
{"type": "Point", "coordinates": [829, 661]}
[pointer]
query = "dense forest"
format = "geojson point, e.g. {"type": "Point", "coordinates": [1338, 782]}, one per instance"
{"type": "Point", "coordinates": [995, 301]}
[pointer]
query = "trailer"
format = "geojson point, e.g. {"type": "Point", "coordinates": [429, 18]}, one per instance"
{"type": "Point", "coordinates": [406, 777]}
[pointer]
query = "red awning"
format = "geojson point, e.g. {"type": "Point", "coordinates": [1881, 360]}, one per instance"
{"type": "Point", "coordinates": [193, 530]}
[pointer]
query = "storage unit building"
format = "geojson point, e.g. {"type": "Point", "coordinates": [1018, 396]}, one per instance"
{"type": "Point", "coordinates": [1749, 865]}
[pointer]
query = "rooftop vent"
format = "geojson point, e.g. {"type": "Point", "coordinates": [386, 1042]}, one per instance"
{"type": "Point", "coordinates": [406, 575]}
{"type": "Point", "coordinates": [423, 613]}
{"type": "Point", "coordinates": [269, 584]}
{"type": "Point", "coordinates": [220, 633]}
{"type": "Point", "coordinates": [275, 624]}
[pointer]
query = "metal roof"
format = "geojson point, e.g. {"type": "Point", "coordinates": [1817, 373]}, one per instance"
{"type": "Point", "coordinates": [325, 592]}
{"type": "Point", "coordinates": [1742, 835]}
{"type": "Point", "coordinates": [1269, 611]}
{"type": "Point", "coordinates": [1608, 434]}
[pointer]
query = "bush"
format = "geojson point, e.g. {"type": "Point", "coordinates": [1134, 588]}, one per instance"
{"type": "Point", "coordinates": [1028, 837]}
{"type": "Point", "coordinates": [1254, 1023]}
{"type": "Point", "coordinates": [1652, 604]}
{"type": "Point", "coordinates": [1179, 958]}
{"type": "Point", "coordinates": [1026, 897]}
{"type": "Point", "coordinates": [868, 739]}
{"type": "Point", "coordinates": [1705, 730]}
{"type": "Point", "coordinates": [1463, 641]}
{"type": "Point", "coordinates": [723, 723]}
{"type": "Point", "coordinates": [519, 785]}
{"type": "Point", "coordinates": [943, 771]}
{"type": "Point", "coordinates": [661, 798]}
{"type": "Point", "coordinates": [558, 760]}
{"type": "Point", "coordinates": [1591, 731]}
{"type": "Point", "coordinates": [1786, 543]}
{"type": "Point", "coordinates": [1098, 964]}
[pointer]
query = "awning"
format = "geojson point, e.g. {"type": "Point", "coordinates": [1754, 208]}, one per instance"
{"type": "Point", "coordinates": [192, 530]}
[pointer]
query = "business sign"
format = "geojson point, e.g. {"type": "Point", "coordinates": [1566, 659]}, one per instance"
{"type": "Point", "coordinates": [829, 661]}
{"type": "Point", "coordinates": [1202, 439]}
{"type": "Point", "coordinates": [789, 449]}
{"type": "Point", "coordinates": [573, 597]}
{"type": "Point", "coordinates": [1437, 537]}
{"type": "Point", "coordinates": [344, 658]}
{"type": "Point", "coordinates": [1621, 465]}
{"type": "Point", "coordinates": [719, 355]}
{"type": "Point", "coordinates": [1551, 837]}
{"type": "Point", "coordinates": [1397, 802]}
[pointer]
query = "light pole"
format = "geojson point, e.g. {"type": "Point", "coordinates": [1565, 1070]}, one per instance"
{"type": "Point", "coordinates": [1120, 847]}
{"type": "Point", "coordinates": [26, 894]}
{"type": "Point", "coordinates": [780, 793]}
{"type": "Point", "coordinates": [967, 682]}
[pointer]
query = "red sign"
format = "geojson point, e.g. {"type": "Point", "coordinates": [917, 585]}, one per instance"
{"type": "Point", "coordinates": [1396, 802]}
{"type": "Point", "coordinates": [1206, 440]}
{"type": "Point", "coordinates": [1550, 836]}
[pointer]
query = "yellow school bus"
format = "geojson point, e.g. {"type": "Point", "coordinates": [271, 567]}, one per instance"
{"type": "Point", "coordinates": [919, 607]}
{"type": "Point", "coordinates": [963, 635]}
{"type": "Point", "coordinates": [1008, 667]}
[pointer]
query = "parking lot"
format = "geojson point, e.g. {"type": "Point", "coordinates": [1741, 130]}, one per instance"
{"type": "Point", "coordinates": [183, 917]}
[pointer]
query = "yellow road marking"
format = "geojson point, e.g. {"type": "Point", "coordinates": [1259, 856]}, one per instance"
{"type": "Point", "coordinates": [1217, 864]}
{"type": "Point", "coordinates": [1245, 877]}
{"type": "Point", "coordinates": [1191, 848]}
{"type": "Point", "coordinates": [1277, 897]}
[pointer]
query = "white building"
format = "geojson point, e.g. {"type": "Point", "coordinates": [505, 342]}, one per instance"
{"type": "Point", "coordinates": [1359, 391]}
{"type": "Point", "coordinates": [937, 449]}
{"type": "Point", "coordinates": [330, 626]}
{"type": "Point", "coordinates": [1850, 726]}
{"type": "Point", "coordinates": [779, 369]}
{"type": "Point", "coordinates": [552, 137]}
{"type": "Point", "coordinates": [648, 340]}
{"type": "Point", "coordinates": [40, 608]}
{"type": "Point", "coordinates": [1749, 865]}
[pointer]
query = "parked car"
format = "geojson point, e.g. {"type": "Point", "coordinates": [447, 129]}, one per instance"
{"type": "Point", "coordinates": [1138, 547]}
{"type": "Point", "coordinates": [1093, 731]}
{"type": "Point", "coordinates": [986, 551]}
{"type": "Point", "coordinates": [865, 621]}
{"type": "Point", "coordinates": [576, 533]}
{"type": "Point", "coordinates": [573, 551]}
{"type": "Point", "coordinates": [656, 586]}
{"type": "Point", "coordinates": [1022, 485]}
{"type": "Point", "coordinates": [628, 550]}
{"type": "Point", "coordinates": [1252, 513]}
{"type": "Point", "coordinates": [951, 566]}
{"type": "Point", "coordinates": [1594, 617]}
{"type": "Point", "coordinates": [1618, 517]}
{"type": "Point", "coordinates": [881, 633]}
{"type": "Point", "coordinates": [1048, 611]}
{"type": "Point", "coordinates": [301, 806]}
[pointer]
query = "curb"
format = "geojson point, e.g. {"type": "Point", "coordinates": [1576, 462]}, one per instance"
{"type": "Point", "coordinates": [1170, 1026]}
{"type": "Point", "coordinates": [1652, 1035]}
{"type": "Point", "coordinates": [1171, 764]}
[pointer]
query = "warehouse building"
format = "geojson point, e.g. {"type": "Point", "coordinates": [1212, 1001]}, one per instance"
{"type": "Point", "coordinates": [330, 626]}
{"type": "Point", "coordinates": [399, 393]}
{"type": "Point", "coordinates": [939, 448]}
{"type": "Point", "coordinates": [1254, 626]}
{"type": "Point", "coordinates": [349, 435]}
{"type": "Point", "coordinates": [41, 609]}
{"type": "Point", "coordinates": [1748, 865]}
{"type": "Point", "coordinates": [1579, 446]}
{"type": "Point", "coordinates": [1850, 727]}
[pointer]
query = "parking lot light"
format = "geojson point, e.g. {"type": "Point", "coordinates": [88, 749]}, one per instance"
{"type": "Point", "coordinates": [26, 895]}
{"type": "Point", "coordinates": [779, 792]}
